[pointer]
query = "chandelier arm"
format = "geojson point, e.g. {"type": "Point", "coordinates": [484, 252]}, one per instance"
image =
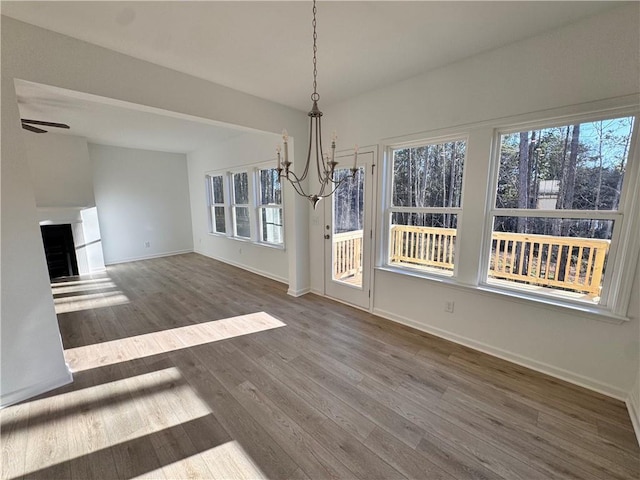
{"type": "Point", "coordinates": [295, 180]}
{"type": "Point", "coordinates": [297, 185]}
{"type": "Point", "coordinates": [319, 154]}
{"type": "Point", "coordinates": [325, 165]}
{"type": "Point", "coordinates": [299, 190]}
{"type": "Point", "coordinates": [306, 166]}
{"type": "Point", "coordinates": [336, 186]}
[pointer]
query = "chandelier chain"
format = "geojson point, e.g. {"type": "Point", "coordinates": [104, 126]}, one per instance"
{"type": "Point", "coordinates": [325, 163]}
{"type": "Point", "coordinates": [315, 96]}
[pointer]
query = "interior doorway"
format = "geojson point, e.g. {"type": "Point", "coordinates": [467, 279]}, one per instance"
{"type": "Point", "coordinates": [59, 250]}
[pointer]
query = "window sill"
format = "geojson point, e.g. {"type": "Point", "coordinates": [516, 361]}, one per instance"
{"type": "Point", "coordinates": [553, 303]}
{"type": "Point", "coordinates": [247, 240]}
{"type": "Point", "coordinates": [275, 246]}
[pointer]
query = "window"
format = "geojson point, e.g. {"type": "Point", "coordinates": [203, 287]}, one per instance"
{"type": "Point", "coordinates": [247, 204]}
{"type": "Point", "coordinates": [240, 206]}
{"type": "Point", "coordinates": [270, 206]}
{"type": "Point", "coordinates": [425, 200]}
{"type": "Point", "coordinates": [557, 208]}
{"type": "Point", "coordinates": [215, 185]}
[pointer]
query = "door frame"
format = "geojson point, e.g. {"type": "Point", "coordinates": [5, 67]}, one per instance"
{"type": "Point", "coordinates": [371, 176]}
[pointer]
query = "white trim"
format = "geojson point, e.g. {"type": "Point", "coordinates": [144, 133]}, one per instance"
{"type": "Point", "coordinates": [568, 214]}
{"type": "Point", "coordinates": [555, 304]}
{"type": "Point", "coordinates": [34, 390]}
{"type": "Point", "coordinates": [149, 257]}
{"type": "Point", "coordinates": [625, 243]}
{"type": "Point", "coordinates": [634, 413]}
{"type": "Point", "coordinates": [521, 360]}
{"type": "Point", "coordinates": [298, 293]}
{"type": "Point", "coordinates": [245, 267]}
{"type": "Point", "coordinates": [617, 280]}
{"type": "Point", "coordinates": [353, 305]}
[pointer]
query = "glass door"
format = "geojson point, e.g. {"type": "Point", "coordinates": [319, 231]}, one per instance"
{"type": "Point", "coordinates": [348, 233]}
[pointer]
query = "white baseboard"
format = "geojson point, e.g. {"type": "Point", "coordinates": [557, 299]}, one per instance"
{"type": "Point", "coordinates": [147, 257]}
{"type": "Point", "coordinates": [298, 293]}
{"type": "Point", "coordinates": [541, 367]}
{"type": "Point", "coordinates": [35, 390]}
{"type": "Point", "coordinates": [245, 267]}
{"type": "Point", "coordinates": [634, 413]}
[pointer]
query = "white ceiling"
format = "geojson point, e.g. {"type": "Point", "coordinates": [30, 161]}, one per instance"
{"type": "Point", "coordinates": [264, 49]}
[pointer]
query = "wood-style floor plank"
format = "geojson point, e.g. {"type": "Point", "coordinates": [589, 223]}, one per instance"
{"type": "Point", "coordinates": [178, 375]}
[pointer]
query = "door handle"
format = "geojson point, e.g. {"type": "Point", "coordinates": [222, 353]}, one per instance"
{"type": "Point", "coordinates": [327, 236]}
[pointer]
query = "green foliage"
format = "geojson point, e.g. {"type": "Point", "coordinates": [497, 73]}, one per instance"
{"type": "Point", "coordinates": [428, 176]}
{"type": "Point", "coordinates": [589, 178]}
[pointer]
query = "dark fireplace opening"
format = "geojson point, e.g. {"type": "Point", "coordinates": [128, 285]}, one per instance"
{"type": "Point", "coordinates": [59, 250]}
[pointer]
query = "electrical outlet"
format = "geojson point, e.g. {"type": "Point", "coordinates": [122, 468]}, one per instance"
{"type": "Point", "coordinates": [147, 244]}
{"type": "Point", "coordinates": [448, 306]}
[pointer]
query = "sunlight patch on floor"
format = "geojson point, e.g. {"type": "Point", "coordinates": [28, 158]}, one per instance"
{"type": "Point", "coordinates": [89, 293]}
{"type": "Point", "coordinates": [139, 346]}
{"type": "Point", "coordinates": [76, 303]}
{"type": "Point", "coordinates": [226, 461]}
{"type": "Point", "coordinates": [87, 281]}
{"type": "Point", "coordinates": [69, 428]}
{"type": "Point", "coordinates": [63, 288]}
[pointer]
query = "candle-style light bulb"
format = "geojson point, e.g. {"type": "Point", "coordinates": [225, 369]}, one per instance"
{"type": "Point", "coordinates": [278, 150]}
{"type": "Point", "coordinates": [334, 137]}
{"type": "Point", "coordinates": [285, 139]}
{"type": "Point", "coordinates": [355, 158]}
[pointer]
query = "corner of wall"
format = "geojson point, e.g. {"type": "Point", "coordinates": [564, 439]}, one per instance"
{"type": "Point", "coordinates": [633, 406]}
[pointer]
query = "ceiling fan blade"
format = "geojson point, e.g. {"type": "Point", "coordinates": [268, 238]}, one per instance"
{"type": "Point", "coordinates": [46, 124]}
{"type": "Point", "coordinates": [33, 129]}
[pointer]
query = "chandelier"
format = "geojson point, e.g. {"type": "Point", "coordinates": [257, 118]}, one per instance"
{"type": "Point", "coordinates": [325, 164]}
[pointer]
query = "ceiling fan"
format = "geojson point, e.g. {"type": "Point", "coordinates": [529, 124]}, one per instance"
{"type": "Point", "coordinates": [29, 125]}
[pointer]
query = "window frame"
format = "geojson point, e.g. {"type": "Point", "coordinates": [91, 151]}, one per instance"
{"type": "Point", "coordinates": [211, 204]}
{"type": "Point", "coordinates": [252, 171]}
{"type": "Point", "coordinates": [616, 288]}
{"type": "Point", "coordinates": [389, 209]}
{"type": "Point", "coordinates": [234, 205]}
{"type": "Point", "coordinates": [260, 206]}
{"type": "Point", "coordinates": [474, 223]}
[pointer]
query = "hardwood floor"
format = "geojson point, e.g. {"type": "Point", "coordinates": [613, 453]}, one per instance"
{"type": "Point", "coordinates": [174, 378]}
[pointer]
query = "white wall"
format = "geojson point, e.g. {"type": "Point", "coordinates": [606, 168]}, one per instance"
{"type": "Point", "coordinates": [60, 170]}
{"type": "Point", "coordinates": [633, 399]}
{"type": "Point", "coordinates": [633, 402]}
{"type": "Point", "coordinates": [247, 149]}
{"type": "Point", "coordinates": [32, 358]}
{"type": "Point", "coordinates": [584, 62]}
{"type": "Point", "coordinates": [63, 184]}
{"type": "Point", "coordinates": [142, 196]}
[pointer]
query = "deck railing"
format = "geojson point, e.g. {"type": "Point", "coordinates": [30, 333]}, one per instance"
{"type": "Point", "coordinates": [347, 254]}
{"type": "Point", "coordinates": [423, 246]}
{"type": "Point", "coordinates": [570, 263]}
